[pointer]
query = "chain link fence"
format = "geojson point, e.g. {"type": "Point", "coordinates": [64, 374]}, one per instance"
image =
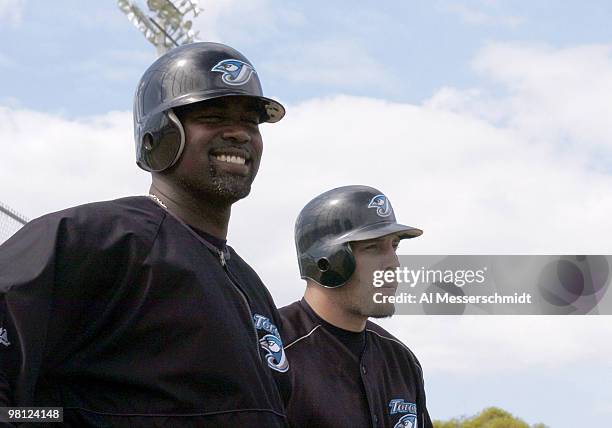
{"type": "Point", "coordinates": [10, 222]}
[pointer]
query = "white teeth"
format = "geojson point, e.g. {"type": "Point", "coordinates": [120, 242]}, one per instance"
{"type": "Point", "coordinates": [231, 159]}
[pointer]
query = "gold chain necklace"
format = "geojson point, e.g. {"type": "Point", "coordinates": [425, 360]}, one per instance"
{"type": "Point", "coordinates": [156, 199]}
{"type": "Point", "coordinates": [223, 255]}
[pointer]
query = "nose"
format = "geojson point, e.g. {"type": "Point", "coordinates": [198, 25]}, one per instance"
{"type": "Point", "coordinates": [237, 134]}
{"type": "Point", "coordinates": [392, 261]}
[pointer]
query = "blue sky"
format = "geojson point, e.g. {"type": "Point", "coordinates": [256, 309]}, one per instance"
{"type": "Point", "coordinates": [416, 46]}
{"type": "Point", "coordinates": [484, 121]}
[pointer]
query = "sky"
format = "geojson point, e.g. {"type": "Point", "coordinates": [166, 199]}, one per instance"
{"type": "Point", "coordinates": [483, 121]}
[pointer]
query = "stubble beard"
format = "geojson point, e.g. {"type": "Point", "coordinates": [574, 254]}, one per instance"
{"type": "Point", "coordinates": [364, 306]}
{"type": "Point", "coordinates": [219, 186]}
{"type": "Point", "coordinates": [371, 309]}
{"type": "Point", "coordinates": [230, 187]}
{"type": "Point", "coordinates": [383, 310]}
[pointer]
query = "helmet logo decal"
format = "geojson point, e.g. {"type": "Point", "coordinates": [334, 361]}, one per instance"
{"type": "Point", "coordinates": [235, 72]}
{"type": "Point", "coordinates": [382, 205]}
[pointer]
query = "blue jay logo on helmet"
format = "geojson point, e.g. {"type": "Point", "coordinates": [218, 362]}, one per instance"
{"type": "Point", "coordinates": [382, 205]}
{"type": "Point", "coordinates": [235, 72]}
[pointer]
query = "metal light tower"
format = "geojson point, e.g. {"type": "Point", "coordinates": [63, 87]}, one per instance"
{"type": "Point", "coordinates": [168, 23]}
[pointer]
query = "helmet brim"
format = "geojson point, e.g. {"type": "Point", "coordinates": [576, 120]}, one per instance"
{"type": "Point", "coordinates": [272, 111]}
{"type": "Point", "coordinates": [378, 230]}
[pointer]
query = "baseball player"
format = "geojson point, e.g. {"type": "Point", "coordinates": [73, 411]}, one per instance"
{"type": "Point", "coordinates": [347, 371]}
{"type": "Point", "coordinates": [135, 312]}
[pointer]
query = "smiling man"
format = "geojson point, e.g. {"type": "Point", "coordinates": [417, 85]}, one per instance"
{"type": "Point", "coordinates": [135, 312]}
{"type": "Point", "coordinates": [346, 370]}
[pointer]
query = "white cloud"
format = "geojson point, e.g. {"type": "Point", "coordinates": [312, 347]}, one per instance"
{"type": "Point", "coordinates": [603, 408]}
{"type": "Point", "coordinates": [555, 94]}
{"type": "Point", "coordinates": [51, 162]}
{"type": "Point", "coordinates": [11, 11]}
{"type": "Point", "coordinates": [479, 174]}
{"type": "Point", "coordinates": [471, 345]}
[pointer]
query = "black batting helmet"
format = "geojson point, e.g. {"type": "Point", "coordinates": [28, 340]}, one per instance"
{"type": "Point", "coordinates": [185, 75]}
{"type": "Point", "coordinates": [330, 221]}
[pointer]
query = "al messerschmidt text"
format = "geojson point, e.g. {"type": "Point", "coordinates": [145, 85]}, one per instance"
{"type": "Point", "coordinates": [496, 298]}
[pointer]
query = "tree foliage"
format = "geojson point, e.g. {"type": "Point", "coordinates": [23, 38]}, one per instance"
{"type": "Point", "coordinates": [491, 417]}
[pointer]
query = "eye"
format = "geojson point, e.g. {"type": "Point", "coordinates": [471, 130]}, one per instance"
{"type": "Point", "coordinates": [252, 120]}
{"type": "Point", "coordinates": [209, 118]}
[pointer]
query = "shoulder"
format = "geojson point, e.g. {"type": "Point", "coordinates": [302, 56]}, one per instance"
{"type": "Point", "coordinates": [237, 262]}
{"type": "Point", "coordinates": [378, 334]}
{"type": "Point", "coordinates": [297, 323]}
{"type": "Point", "coordinates": [98, 223]}
{"type": "Point", "coordinates": [250, 278]}
{"type": "Point", "coordinates": [88, 237]}
{"type": "Point", "coordinates": [132, 209]}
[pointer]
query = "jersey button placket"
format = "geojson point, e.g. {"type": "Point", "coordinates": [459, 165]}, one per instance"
{"type": "Point", "coordinates": [363, 369]}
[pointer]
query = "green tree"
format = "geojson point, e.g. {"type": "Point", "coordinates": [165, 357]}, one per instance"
{"type": "Point", "coordinates": [491, 417]}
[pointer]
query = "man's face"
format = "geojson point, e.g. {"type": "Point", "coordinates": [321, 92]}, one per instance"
{"type": "Point", "coordinates": [372, 255]}
{"type": "Point", "coordinates": [223, 148]}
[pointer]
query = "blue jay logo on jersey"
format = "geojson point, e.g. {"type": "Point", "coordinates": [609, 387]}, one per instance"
{"type": "Point", "coordinates": [409, 420]}
{"type": "Point", "coordinates": [235, 72]}
{"type": "Point", "coordinates": [272, 344]}
{"type": "Point", "coordinates": [4, 337]}
{"type": "Point", "coordinates": [382, 205]}
{"type": "Point", "coordinates": [275, 357]}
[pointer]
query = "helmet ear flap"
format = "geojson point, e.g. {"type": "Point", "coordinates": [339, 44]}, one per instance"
{"type": "Point", "coordinates": [329, 265]}
{"type": "Point", "coordinates": [163, 143]}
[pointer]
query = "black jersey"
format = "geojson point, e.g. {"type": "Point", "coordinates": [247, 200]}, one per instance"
{"type": "Point", "coordinates": [332, 387]}
{"type": "Point", "coordinates": [123, 315]}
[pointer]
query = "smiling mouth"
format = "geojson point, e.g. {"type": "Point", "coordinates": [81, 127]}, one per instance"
{"type": "Point", "coordinates": [238, 160]}
{"type": "Point", "coordinates": [232, 160]}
